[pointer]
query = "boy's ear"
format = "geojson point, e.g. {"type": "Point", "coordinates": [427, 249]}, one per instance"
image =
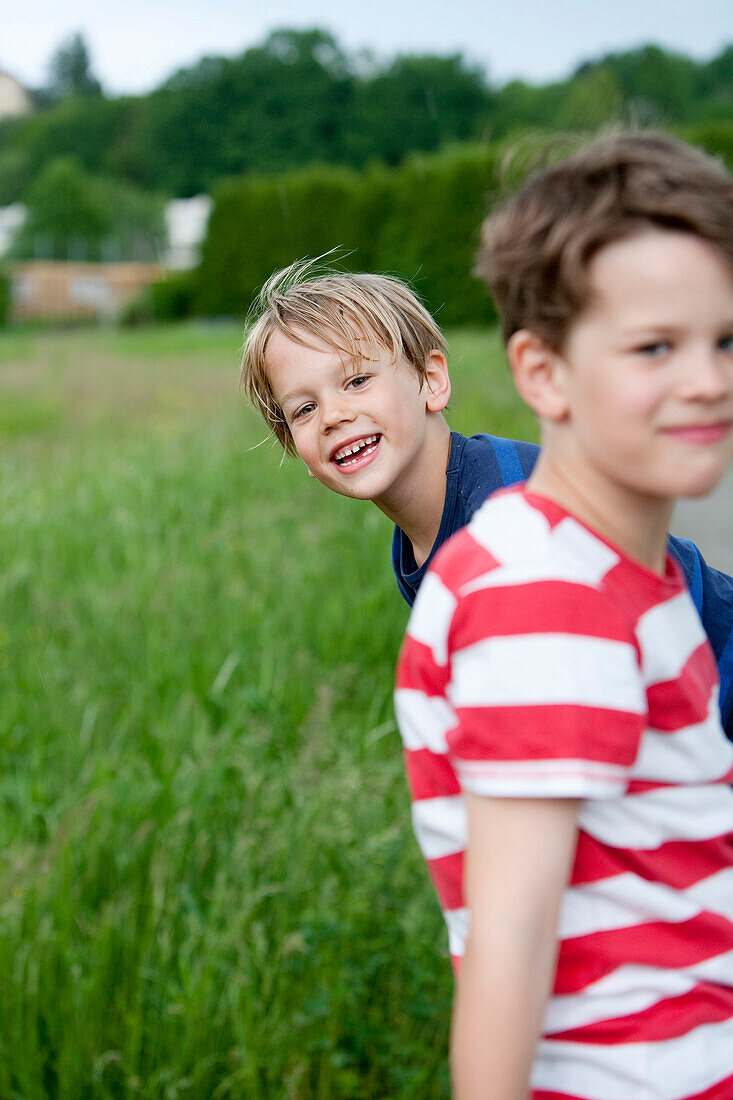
{"type": "Point", "coordinates": [437, 380]}
{"type": "Point", "coordinates": [539, 374]}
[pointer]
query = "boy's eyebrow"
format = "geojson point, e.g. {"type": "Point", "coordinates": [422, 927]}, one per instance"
{"type": "Point", "coordinates": [662, 327]}
{"type": "Point", "coordinates": [289, 396]}
{"type": "Point", "coordinates": [347, 366]}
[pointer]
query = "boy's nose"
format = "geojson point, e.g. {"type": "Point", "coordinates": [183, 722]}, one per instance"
{"type": "Point", "coordinates": [335, 412]}
{"type": "Point", "coordinates": [709, 376]}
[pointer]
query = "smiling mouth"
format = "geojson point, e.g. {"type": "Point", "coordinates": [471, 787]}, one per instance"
{"type": "Point", "coordinates": [701, 433]}
{"type": "Point", "coordinates": [352, 453]}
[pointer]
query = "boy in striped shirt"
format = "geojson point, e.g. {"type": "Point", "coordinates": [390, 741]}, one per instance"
{"type": "Point", "coordinates": [556, 694]}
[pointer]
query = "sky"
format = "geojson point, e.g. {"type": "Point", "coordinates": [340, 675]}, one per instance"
{"type": "Point", "coordinates": [136, 45]}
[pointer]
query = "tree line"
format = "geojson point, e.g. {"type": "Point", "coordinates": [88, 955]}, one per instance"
{"type": "Point", "coordinates": [420, 220]}
{"type": "Point", "coordinates": [299, 98]}
{"type": "Point", "coordinates": [294, 126]}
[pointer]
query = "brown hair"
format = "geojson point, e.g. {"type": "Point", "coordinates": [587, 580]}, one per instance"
{"type": "Point", "coordinates": [536, 249]}
{"type": "Point", "coordinates": [343, 310]}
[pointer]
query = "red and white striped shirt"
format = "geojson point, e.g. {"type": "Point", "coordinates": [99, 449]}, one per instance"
{"type": "Point", "coordinates": [541, 662]}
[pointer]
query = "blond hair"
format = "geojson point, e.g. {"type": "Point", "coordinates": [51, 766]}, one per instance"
{"type": "Point", "coordinates": [536, 250]}
{"type": "Point", "coordinates": [343, 311]}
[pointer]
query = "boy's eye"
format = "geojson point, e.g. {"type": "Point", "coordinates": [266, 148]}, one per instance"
{"type": "Point", "coordinates": [303, 410]}
{"type": "Point", "coordinates": [654, 350]}
{"type": "Point", "coordinates": [726, 343]}
{"type": "Point", "coordinates": [357, 381]}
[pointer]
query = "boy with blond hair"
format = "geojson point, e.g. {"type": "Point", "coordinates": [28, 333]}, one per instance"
{"type": "Point", "coordinates": [556, 694]}
{"type": "Point", "coordinates": [349, 372]}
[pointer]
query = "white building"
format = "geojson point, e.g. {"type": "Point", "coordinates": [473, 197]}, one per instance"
{"type": "Point", "coordinates": [14, 99]}
{"type": "Point", "coordinates": [11, 219]}
{"type": "Point", "coordinates": [185, 222]}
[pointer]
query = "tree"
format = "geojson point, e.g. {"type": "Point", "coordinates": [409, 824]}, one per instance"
{"type": "Point", "coordinates": [593, 99]}
{"type": "Point", "coordinates": [659, 86]}
{"type": "Point", "coordinates": [298, 99]}
{"type": "Point", "coordinates": [418, 103]}
{"type": "Point", "coordinates": [70, 71]}
{"type": "Point", "coordinates": [64, 215]}
{"type": "Point", "coordinates": [73, 215]}
{"type": "Point", "coordinates": [276, 106]}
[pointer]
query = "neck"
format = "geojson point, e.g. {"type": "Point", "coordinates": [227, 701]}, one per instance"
{"type": "Point", "coordinates": [416, 504]}
{"type": "Point", "coordinates": [634, 522]}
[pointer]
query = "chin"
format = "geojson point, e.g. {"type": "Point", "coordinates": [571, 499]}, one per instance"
{"type": "Point", "coordinates": [359, 492]}
{"type": "Point", "coordinates": [701, 487]}
{"type": "Point", "coordinates": [699, 493]}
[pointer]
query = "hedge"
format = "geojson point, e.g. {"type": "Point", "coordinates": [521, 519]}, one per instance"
{"type": "Point", "coordinates": [4, 298]}
{"type": "Point", "coordinates": [419, 221]}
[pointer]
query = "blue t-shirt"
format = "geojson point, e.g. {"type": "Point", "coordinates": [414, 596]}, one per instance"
{"type": "Point", "coordinates": [481, 464]}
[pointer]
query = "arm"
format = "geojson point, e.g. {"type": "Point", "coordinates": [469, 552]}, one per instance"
{"type": "Point", "coordinates": [518, 860]}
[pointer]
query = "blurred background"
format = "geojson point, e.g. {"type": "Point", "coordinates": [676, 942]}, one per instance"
{"type": "Point", "coordinates": [209, 886]}
{"type": "Point", "coordinates": [193, 151]}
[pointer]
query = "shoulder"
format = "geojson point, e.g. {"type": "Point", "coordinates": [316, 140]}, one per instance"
{"type": "Point", "coordinates": [519, 569]}
{"type": "Point", "coordinates": [712, 594]}
{"type": "Point", "coordinates": [709, 587]}
{"type": "Point", "coordinates": [492, 462]}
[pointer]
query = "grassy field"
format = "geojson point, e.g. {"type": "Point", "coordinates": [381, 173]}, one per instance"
{"type": "Point", "coordinates": [210, 888]}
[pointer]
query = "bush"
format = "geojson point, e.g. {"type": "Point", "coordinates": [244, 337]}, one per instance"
{"type": "Point", "coordinates": [715, 138]}
{"type": "Point", "coordinates": [173, 297]}
{"type": "Point", "coordinates": [167, 299]}
{"type": "Point", "coordinates": [4, 298]}
{"type": "Point", "coordinates": [430, 228]}
{"type": "Point", "coordinates": [262, 223]}
{"type": "Point", "coordinates": [420, 221]}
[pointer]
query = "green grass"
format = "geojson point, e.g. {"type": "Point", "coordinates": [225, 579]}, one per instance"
{"type": "Point", "coordinates": [210, 888]}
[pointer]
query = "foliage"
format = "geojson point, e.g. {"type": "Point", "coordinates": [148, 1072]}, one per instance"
{"type": "Point", "coordinates": [715, 88]}
{"type": "Point", "coordinates": [299, 99]}
{"type": "Point", "coordinates": [95, 131]}
{"type": "Point", "coordinates": [71, 214]}
{"type": "Point", "coordinates": [210, 887]}
{"type": "Point", "coordinates": [432, 100]}
{"type": "Point", "coordinates": [165, 300]}
{"type": "Point", "coordinates": [278, 105]}
{"type": "Point", "coordinates": [594, 99]}
{"type": "Point", "coordinates": [519, 106]}
{"type": "Point", "coordinates": [172, 297]}
{"type": "Point", "coordinates": [429, 226]}
{"type": "Point", "coordinates": [716, 138]}
{"type": "Point", "coordinates": [295, 100]}
{"type": "Point", "coordinates": [658, 86]}
{"type": "Point", "coordinates": [374, 218]}
{"type": "Point", "coordinates": [14, 174]}
{"type": "Point", "coordinates": [258, 224]}
{"type": "Point", "coordinates": [70, 71]}
{"type": "Point", "coordinates": [62, 206]}
{"type": "Point", "coordinates": [4, 297]}
{"type": "Point", "coordinates": [419, 221]}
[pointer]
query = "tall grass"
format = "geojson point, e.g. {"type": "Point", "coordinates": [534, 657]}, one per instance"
{"type": "Point", "coordinates": [209, 884]}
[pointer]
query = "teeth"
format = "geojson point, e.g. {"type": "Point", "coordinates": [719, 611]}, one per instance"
{"type": "Point", "coordinates": [355, 448]}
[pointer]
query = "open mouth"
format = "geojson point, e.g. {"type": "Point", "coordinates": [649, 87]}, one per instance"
{"type": "Point", "coordinates": [355, 452]}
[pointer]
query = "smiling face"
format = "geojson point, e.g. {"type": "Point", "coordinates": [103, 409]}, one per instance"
{"type": "Point", "coordinates": [362, 427]}
{"type": "Point", "coordinates": [643, 387]}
